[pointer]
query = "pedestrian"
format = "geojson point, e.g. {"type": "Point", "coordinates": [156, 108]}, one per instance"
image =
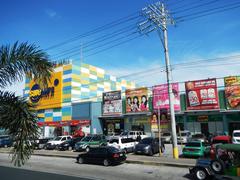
{"type": "Point", "coordinates": [162, 146]}
{"type": "Point", "coordinates": [139, 138]}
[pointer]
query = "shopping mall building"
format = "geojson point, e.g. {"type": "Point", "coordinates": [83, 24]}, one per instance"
{"type": "Point", "coordinates": [72, 99]}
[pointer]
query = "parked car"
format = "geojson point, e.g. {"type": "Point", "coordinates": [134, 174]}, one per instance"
{"type": "Point", "coordinates": [194, 148]}
{"type": "Point", "coordinates": [134, 134]}
{"type": "Point", "coordinates": [184, 137]}
{"type": "Point", "coordinates": [56, 141]}
{"type": "Point", "coordinates": [40, 143]}
{"type": "Point", "coordinates": [166, 137]}
{"type": "Point", "coordinates": [148, 146]}
{"type": "Point", "coordinates": [5, 141]}
{"type": "Point", "coordinates": [90, 141]}
{"type": "Point", "coordinates": [199, 137]}
{"type": "Point", "coordinates": [236, 137]}
{"type": "Point", "coordinates": [69, 144]}
{"type": "Point", "coordinates": [111, 135]}
{"type": "Point", "coordinates": [106, 155]}
{"type": "Point", "coordinates": [124, 144]}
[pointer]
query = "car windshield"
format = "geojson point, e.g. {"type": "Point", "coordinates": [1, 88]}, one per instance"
{"type": "Point", "coordinates": [3, 137]}
{"type": "Point", "coordinates": [198, 136]}
{"type": "Point", "coordinates": [193, 144]}
{"type": "Point", "coordinates": [146, 141]}
{"type": "Point", "coordinates": [87, 138]}
{"type": "Point", "coordinates": [57, 138]}
{"type": "Point", "coordinates": [113, 141]}
{"type": "Point", "coordinates": [166, 134]}
{"type": "Point", "coordinates": [236, 134]}
{"type": "Point", "coordinates": [124, 134]}
{"type": "Point", "coordinates": [182, 134]}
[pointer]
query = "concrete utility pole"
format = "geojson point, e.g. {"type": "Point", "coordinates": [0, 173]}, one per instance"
{"type": "Point", "coordinates": [157, 19]}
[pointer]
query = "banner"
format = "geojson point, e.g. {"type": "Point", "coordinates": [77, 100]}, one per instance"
{"type": "Point", "coordinates": [232, 92]}
{"type": "Point", "coordinates": [112, 103]}
{"type": "Point", "coordinates": [202, 94]}
{"type": "Point", "coordinates": [161, 97]}
{"type": "Point", "coordinates": [137, 100]}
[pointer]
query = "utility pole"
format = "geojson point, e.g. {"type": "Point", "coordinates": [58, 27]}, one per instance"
{"type": "Point", "coordinates": [157, 18]}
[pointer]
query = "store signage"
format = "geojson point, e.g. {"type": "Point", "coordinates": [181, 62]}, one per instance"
{"type": "Point", "coordinates": [232, 92]}
{"type": "Point", "coordinates": [50, 97]}
{"type": "Point", "coordinates": [137, 100]}
{"type": "Point", "coordinates": [202, 118]}
{"type": "Point", "coordinates": [161, 97]}
{"type": "Point", "coordinates": [112, 103]}
{"type": "Point", "coordinates": [202, 94]}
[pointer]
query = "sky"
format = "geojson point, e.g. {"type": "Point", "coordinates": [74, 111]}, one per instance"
{"type": "Point", "coordinates": [49, 22]}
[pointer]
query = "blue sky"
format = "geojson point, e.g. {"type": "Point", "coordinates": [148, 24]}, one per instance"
{"type": "Point", "coordinates": [49, 22]}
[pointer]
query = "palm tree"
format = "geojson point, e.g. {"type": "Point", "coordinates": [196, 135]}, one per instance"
{"type": "Point", "coordinates": [17, 115]}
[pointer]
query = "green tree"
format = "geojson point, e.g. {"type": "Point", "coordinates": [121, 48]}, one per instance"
{"type": "Point", "coordinates": [17, 115]}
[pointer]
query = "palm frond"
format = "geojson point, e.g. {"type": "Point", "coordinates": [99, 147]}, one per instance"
{"type": "Point", "coordinates": [23, 59]}
{"type": "Point", "coordinates": [18, 117]}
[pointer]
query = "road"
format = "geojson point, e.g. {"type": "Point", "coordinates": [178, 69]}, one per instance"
{"type": "Point", "coordinates": [47, 168]}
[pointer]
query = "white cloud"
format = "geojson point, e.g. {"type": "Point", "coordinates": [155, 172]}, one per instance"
{"type": "Point", "coordinates": [51, 13]}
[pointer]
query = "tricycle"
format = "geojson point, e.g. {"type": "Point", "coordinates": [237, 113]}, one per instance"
{"type": "Point", "coordinates": [225, 164]}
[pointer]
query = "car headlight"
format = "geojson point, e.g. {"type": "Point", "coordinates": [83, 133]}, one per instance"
{"type": "Point", "coordinates": [147, 147]}
{"type": "Point", "coordinates": [65, 144]}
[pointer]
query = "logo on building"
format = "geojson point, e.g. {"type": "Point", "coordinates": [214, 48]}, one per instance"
{"type": "Point", "coordinates": [36, 93]}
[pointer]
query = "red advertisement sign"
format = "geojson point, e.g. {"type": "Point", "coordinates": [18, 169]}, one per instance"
{"type": "Point", "coordinates": [202, 94]}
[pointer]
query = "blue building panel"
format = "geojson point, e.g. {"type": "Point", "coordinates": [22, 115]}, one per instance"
{"type": "Point", "coordinates": [67, 88]}
{"type": "Point", "coordinates": [57, 118]}
{"type": "Point", "coordinates": [67, 80]}
{"type": "Point", "coordinates": [67, 72]}
{"type": "Point", "coordinates": [48, 115]}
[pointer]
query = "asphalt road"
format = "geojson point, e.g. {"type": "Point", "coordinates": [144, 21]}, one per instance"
{"type": "Point", "coordinates": [39, 168]}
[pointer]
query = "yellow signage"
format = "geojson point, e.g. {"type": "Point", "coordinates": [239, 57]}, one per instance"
{"type": "Point", "coordinates": [50, 97]}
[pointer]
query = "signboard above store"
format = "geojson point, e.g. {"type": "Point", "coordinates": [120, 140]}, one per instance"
{"type": "Point", "coordinates": [112, 103]}
{"type": "Point", "coordinates": [161, 97]}
{"type": "Point", "coordinates": [202, 94]}
{"type": "Point", "coordinates": [137, 100]}
{"type": "Point", "coordinates": [232, 92]}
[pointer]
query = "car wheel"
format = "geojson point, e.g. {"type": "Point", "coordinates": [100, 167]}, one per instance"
{"type": "Point", "coordinates": [80, 160]}
{"type": "Point", "coordinates": [217, 166]}
{"type": "Point", "coordinates": [87, 149]}
{"type": "Point", "coordinates": [201, 174]}
{"type": "Point", "coordinates": [106, 162]}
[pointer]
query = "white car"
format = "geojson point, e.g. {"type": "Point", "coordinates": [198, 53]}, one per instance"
{"type": "Point", "coordinates": [58, 140]}
{"type": "Point", "coordinates": [184, 137]}
{"type": "Point", "coordinates": [166, 137]}
{"type": "Point", "coordinates": [236, 137]}
{"type": "Point", "coordinates": [122, 143]}
{"type": "Point", "coordinates": [134, 134]}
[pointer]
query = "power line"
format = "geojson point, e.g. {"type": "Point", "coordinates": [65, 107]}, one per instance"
{"type": "Point", "coordinates": [96, 40]}
{"type": "Point", "coordinates": [97, 30]}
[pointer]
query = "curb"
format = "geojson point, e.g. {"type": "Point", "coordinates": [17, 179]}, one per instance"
{"type": "Point", "coordinates": [170, 164]}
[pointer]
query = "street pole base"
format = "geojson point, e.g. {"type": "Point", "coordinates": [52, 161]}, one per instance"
{"type": "Point", "coordinates": [175, 152]}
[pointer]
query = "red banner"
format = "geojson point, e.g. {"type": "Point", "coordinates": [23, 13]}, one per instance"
{"type": "Point", "coordinates": [65, 123]}
{"type": "Point", "coordinates": [202, 94]}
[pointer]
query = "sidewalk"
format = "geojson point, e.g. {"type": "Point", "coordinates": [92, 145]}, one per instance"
{"type": "Point", "coordinates": [131, 158]}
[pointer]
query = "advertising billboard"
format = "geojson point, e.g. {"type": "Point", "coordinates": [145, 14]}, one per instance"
{"type": "Point", "coordinates": [161, 97]}
{"type": "Point", "coordinates": [202, 94]}
{"type": "Point", "coordinates": [112, 103]}
{"type": "Point", "coordinates": [232, 92]}
{"type": "Point", "coordinates": [49, 97]}
{"type": "Point", "coordinates": [137, 100]}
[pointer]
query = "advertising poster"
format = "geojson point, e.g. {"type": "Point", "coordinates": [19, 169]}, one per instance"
{"type": "Point", "coordinates": [164, 121]}
{"type": "Point", "coordinates": [137, 100]}
{"type": "Point", "coordinates": [112, 103]}
{"type": "Point", "coordinates": [161, 97]}
{"type": "Point", "coordinates": [232, 92]}
{"type": "Point", "coordinates": [202, 94]}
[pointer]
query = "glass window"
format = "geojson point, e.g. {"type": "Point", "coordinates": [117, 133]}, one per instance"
{"type": "Point", "coordinates": [236, 134]}
{"type": "Point", "coordinates": [131, 133]}
{"type": "Point", "coordinates": [87, 138]}
{"type": "Point", "coordinates": [57, 139]}
{"type": "Point", "coordinates": [166, 134]}
{"type": "Point", "coordinates": [64, 139]}
{"type": "Point", "coordinates": [96, 138]}
{"type": "Point", "coordinates": [114, 141]}
{"type": "Point", "coordinates": [193, 144]}
{"type": "Point", "coordinates": [146, 141]}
